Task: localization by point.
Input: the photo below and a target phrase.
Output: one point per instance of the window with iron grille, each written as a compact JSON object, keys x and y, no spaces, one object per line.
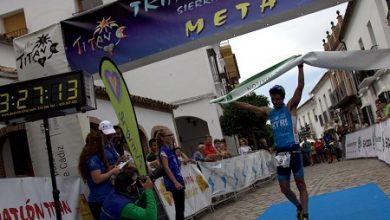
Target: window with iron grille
{"x":85,"y":5}
{"x":14,"y":25}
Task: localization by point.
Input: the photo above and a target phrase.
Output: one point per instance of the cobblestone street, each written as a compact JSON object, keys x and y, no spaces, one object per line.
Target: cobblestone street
{"x":320,"y":179}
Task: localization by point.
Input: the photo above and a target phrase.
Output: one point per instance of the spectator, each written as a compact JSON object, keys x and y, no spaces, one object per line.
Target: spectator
{"x":319,"y":146}
{"x":184,"y":159}
{"x":263,"y":144}
{"x":306,"y":146}
{"x":199,"y":154}
{"x":383,"y":110}
{"x":119,"y":140}
{"x":108,"y":131}
{"x":224,"y":153}
{"x":94,"y":169}
{"x":217,"y":144}
{"x":124,"y":202}
{"x":152,"y":157}
{"x":244,"y":147}
{"x":173,"y":178}
{"x":209,"y":150}
{"x":121,"y":145}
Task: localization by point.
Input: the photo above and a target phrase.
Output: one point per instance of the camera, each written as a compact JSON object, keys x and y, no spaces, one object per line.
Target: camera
{"x":155,"y":174}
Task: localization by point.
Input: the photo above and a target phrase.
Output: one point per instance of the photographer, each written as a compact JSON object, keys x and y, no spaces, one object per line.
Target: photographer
{"x":125,"y":202}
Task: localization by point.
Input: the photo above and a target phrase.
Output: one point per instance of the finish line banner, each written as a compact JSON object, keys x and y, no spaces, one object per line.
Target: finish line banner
{"x":344,"y":60}
{"x":128,"y":30}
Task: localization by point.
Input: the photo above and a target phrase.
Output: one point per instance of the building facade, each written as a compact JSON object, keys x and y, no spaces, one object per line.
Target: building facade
{"x":316,"y":115}
{"x":184,"y":84}
{"x":364,"y":27}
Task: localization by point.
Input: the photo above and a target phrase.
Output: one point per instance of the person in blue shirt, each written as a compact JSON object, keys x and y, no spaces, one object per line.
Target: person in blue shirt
{"x":94,"y":169}
{"x":283,"y":119}
{"x":108,"y":131}
{"x":173,"y":179}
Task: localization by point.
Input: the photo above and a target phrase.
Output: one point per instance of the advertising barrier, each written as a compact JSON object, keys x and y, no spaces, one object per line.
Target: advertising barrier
{"x":32,"y":198}
{"x":373,"y":141}
{"x":236,"y":173}
{"x":217,"y":178}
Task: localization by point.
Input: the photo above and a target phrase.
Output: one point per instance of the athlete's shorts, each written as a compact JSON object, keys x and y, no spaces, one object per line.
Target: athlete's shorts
{"x":296,"y":166}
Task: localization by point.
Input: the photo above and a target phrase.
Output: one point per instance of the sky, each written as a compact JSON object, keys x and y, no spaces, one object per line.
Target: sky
{"x":258,"y":50}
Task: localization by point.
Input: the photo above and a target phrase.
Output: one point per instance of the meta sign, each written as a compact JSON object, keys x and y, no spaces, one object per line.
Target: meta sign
{"x":127,"y":31}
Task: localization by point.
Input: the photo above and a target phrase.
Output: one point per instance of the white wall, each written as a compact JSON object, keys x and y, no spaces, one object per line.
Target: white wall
{"x":146,"y":118}
{"x":8,"y":160}
{"x":365,"y":11}
{"x":204,"y":110}
{"x":173,"y":79}
{"x":7,"y":56}
{"x":39,"y":13}
{"x":303,"y":111}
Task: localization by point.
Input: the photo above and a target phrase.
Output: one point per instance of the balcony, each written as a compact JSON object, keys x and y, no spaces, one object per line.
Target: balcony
{"x":343,"y":94}
{"x":306,"y":131}
{"x":14,"y":34}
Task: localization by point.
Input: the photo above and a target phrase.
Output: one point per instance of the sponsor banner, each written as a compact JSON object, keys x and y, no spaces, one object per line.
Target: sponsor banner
{"x":386,"y":141}
{"x":32,"y":198}
{"x":236,"y":173}
{"x":197,"y":192}
{"x":40,"y":53}
{"x":118,"y":93}
{"x":129,"y":30}
{"x":66,"y":142}
{"x":373,"y":141}
{"x":378,"y":140}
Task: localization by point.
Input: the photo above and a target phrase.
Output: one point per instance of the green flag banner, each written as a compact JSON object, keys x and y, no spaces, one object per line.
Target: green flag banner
{"x":259,"y":79}
{"x":120,"y":99}
{"x":336,"y":60}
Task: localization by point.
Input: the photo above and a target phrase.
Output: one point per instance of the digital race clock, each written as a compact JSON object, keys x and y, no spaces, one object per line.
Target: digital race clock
{"x":50,"y":96}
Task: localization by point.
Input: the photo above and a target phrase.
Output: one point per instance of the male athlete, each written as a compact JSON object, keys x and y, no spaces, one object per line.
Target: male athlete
{"x":283,"y":122}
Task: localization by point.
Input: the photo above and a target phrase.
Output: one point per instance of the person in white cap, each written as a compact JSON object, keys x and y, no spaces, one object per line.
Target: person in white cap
{"x":108,"y":130}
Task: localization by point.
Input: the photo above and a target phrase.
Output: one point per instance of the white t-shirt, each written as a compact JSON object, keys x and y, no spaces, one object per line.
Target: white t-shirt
{"x":244,"y":149}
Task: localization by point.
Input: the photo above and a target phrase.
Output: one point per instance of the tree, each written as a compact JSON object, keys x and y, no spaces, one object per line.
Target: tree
{"x":237,"y":121}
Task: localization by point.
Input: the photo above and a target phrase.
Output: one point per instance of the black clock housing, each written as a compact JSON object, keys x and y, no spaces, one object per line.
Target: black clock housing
{"x":51,"y":96}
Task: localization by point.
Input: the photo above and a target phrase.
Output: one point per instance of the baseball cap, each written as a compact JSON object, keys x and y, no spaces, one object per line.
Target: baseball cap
{"x":106,"y":127}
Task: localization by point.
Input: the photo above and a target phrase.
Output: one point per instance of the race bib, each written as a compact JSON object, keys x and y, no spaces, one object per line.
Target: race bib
{"x":283,"y":159}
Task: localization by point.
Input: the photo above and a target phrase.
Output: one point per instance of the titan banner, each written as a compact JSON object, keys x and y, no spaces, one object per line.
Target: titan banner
{"x":128,"y":30}
{"x":120,"y":99}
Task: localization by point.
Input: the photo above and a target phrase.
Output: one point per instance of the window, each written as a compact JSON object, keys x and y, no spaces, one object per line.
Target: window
{"x":361,"y":45}
{"x":372,"y":36}
{"x":368,"y":116}
{"x":388,"y":11}
{"x":321,"y":122}
{"x":326,"y":119}
{"x":15,"y":25}
{"x":213,"y":65}
{"x":315,"y":116}
{"x":84,"y":5}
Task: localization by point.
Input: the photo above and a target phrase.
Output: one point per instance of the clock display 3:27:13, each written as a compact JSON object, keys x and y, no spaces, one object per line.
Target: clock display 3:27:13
{"x":45,"y":93}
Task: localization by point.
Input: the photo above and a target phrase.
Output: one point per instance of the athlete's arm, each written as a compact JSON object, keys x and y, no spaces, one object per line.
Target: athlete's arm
{"x":294,"y":101}
{"x":259,"y":111}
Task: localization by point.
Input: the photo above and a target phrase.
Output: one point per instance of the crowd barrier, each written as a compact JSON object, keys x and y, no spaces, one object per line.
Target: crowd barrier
{"x":32,"y":198}
{"x":373,"y":141}
{"x":217,"y":179}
